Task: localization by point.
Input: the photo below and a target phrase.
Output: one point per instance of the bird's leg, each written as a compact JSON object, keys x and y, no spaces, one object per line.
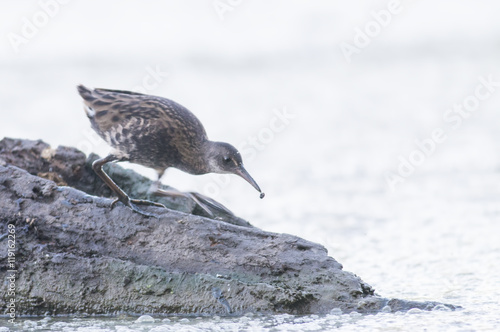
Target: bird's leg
{"x":208,"y":205}
{"x":155,"y":186}
{"x":205,"y":203}
{"x":122,"y":196}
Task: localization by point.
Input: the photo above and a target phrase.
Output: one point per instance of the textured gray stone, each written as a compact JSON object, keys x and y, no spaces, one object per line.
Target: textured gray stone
{"x":75,"y":255}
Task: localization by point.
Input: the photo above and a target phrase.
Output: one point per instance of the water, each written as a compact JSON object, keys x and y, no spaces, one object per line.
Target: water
{"x":435,"y":237}
{"x":341,"y":322}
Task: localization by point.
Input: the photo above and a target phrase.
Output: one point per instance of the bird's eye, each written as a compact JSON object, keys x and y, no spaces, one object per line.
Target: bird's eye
{"x":227,"y":160}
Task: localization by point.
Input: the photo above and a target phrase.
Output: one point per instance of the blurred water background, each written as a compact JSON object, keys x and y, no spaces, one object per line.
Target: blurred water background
{"x":333,"y":117}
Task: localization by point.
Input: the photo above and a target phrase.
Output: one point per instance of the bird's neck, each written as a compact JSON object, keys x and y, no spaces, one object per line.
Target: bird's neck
{"x":209,"y":153}
{"x":200,"y":162}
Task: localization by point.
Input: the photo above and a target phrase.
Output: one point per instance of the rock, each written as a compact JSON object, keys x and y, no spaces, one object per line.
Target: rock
{"x":74,"y":254}
{"x":69,"y":167}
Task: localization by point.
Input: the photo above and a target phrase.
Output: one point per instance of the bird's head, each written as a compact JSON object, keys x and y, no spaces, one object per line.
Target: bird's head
{"x":223,"y":158}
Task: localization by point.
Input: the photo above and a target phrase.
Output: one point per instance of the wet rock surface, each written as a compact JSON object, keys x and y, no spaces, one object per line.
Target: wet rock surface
{"x":76,"y":255}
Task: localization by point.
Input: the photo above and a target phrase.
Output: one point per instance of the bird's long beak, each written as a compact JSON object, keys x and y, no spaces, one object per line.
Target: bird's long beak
{"x":241,"y":171}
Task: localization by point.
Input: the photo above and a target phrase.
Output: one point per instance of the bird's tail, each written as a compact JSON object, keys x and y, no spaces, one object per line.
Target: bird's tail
{"x":85,"y":92}
{"x":88,"y":98}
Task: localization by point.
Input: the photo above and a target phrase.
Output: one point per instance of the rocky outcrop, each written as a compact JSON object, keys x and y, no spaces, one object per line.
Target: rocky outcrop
{"x":74,"y":254}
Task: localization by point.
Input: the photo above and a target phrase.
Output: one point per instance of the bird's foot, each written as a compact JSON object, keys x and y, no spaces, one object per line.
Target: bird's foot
{"x":131,"y":203}
{"x":148,"y":203}
{"x":208,"y":205}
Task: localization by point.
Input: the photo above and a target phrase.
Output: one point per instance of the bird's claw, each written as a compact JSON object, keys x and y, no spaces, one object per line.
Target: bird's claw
{"x":131,"y":203}
{"x":146,"y":202}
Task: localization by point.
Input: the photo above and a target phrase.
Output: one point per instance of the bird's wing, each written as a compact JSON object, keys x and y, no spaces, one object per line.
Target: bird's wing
{"x":108,"y":109}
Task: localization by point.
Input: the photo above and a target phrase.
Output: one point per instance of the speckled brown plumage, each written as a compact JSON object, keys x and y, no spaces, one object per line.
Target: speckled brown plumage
{"x":155,"y":132}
